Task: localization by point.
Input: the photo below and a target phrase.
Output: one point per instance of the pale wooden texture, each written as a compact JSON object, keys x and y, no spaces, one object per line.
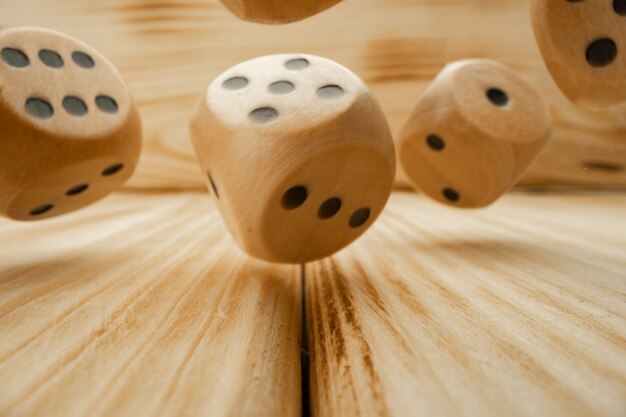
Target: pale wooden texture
{"x":170,"y":50}
{"x":61,"y":150}
{"x":141,"y":306}
{"x":277,"y":11}
{"x":474,"y":132}
{"x":583,"y":44}
{"x":276,"y":157}
{"x":518,"y":310}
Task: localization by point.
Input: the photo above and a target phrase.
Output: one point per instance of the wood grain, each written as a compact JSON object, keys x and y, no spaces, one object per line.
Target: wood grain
{"x":142,"y":306}
{"x":518,"y":310}
{"x":169,"y":50}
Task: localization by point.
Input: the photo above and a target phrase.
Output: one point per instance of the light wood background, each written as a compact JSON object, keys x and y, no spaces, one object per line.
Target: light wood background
{"x":169,"y":51}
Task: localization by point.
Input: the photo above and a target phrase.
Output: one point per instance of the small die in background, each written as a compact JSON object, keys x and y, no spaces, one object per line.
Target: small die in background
{"x":474,"y":132}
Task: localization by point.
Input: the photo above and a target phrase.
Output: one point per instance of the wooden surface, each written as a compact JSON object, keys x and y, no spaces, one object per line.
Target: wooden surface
{"x":141,"y":306}
{"x":519,"y":310}
{"x":169,"y":50}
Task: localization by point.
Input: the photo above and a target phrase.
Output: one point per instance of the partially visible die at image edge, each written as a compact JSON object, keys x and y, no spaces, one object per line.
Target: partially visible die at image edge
{"x":583,"y":44}
{"x":297,"y":155}
{"x":277,"y":12}
{"x":473,"y":133}
{"x":69,"y":129}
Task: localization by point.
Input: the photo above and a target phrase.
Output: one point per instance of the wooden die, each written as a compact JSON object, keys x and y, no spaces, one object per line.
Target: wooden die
{"x":277,"y":11}
{"x":297,"y":153}
{"x":476,"y":129}
{"x":584,"y":46}
{"x":69,"y":131}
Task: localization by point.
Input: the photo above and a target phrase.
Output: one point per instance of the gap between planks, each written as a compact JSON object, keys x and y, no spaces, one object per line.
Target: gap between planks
{"x":305,"y":363}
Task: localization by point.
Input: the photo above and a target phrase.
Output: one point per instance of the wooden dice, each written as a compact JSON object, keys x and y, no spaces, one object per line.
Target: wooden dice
{"x":277,"y":11}
{"x":297,"y":154}
{"x":473,"y":133}
{"x":583,"y":43}
{"x":69,"y":131}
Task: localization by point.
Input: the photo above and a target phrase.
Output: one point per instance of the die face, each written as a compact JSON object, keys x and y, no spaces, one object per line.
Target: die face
{"x":277,"y":11}
{"x":282,"y":94}
{"x":61,"y":149}
{"x":56,"y":194}
{"x":440,"y":160}
{"x":61,"y":86}
{"x":584,"y":46}
{"x":498,"y":102}
{"x":325,"y":204}
{"x":326,"y":133}
{"x":471,"y":136}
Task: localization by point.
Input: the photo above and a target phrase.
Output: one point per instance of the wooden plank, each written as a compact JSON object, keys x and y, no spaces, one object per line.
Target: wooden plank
{"x":519,"y":310}
{"x":141,"y":306}
{"x":170,"y":51}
